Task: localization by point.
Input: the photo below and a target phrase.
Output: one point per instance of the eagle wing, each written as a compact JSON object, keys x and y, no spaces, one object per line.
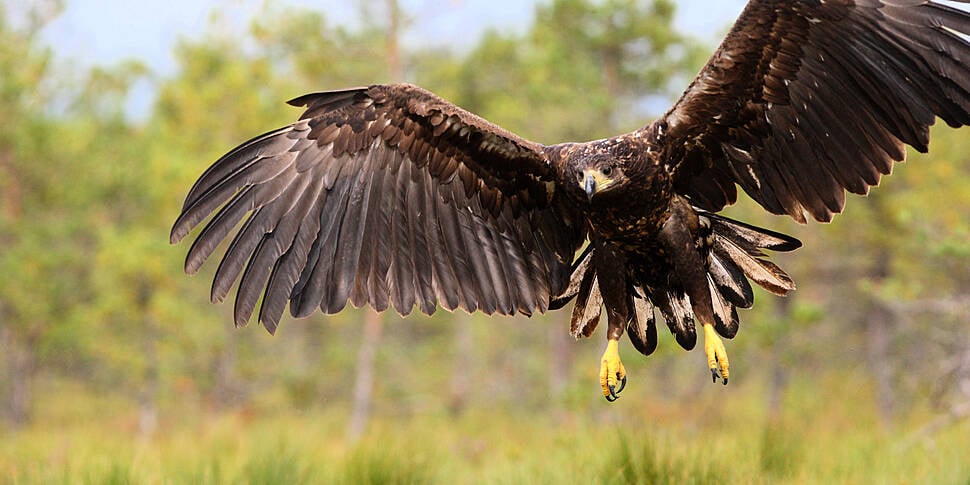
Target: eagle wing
{"x":386,"y":195}
{"x":807,"y":99}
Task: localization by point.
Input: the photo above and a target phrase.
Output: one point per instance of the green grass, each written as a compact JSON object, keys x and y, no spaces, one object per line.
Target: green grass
{"x":716,"y":437}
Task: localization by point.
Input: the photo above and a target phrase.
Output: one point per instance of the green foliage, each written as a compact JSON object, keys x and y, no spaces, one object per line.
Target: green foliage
{"x":641,"y":462}
{"x":316,"y":54}
{"x":378,"y":465}
{"x":275,"y":465}
{"x":583,"y":69}
{"x":781,"y":451}
{"x":715,"y":440}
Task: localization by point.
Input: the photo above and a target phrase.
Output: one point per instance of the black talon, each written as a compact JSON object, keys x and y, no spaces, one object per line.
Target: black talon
{"x":622,"y":385}
{"x":613,"y":392}
{"x":725,"y":381}
{"x":714,"y":375}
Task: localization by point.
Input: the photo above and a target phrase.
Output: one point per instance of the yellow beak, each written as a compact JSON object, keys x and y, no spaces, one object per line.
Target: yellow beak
{"x":594,"y":181}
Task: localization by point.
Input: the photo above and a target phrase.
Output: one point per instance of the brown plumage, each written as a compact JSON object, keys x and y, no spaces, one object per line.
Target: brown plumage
{"x":391,"y":196}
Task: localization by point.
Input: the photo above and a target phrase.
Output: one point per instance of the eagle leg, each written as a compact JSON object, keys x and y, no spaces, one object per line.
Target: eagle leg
{"x":678,"y":234}
{"x":615,"y":290}
{"x":717,"y":359}
{"x":612,"y":372}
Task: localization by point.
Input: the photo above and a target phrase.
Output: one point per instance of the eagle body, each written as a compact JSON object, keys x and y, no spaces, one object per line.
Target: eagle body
{"x":390,"y":196}
{"x":656,"y":248}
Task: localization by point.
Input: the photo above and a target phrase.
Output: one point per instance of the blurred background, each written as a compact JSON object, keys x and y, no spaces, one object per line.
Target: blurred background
{"x":115,"y":368}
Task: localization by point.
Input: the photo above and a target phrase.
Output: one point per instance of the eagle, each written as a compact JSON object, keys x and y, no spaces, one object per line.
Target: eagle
{"x":390,"y":196}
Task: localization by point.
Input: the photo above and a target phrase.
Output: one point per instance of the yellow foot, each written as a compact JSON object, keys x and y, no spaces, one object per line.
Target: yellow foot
{"x":717,"y":359}
{"x":612,"y":372}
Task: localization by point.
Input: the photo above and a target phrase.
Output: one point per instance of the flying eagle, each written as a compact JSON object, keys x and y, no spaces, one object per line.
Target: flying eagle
{"x":391,"y":196}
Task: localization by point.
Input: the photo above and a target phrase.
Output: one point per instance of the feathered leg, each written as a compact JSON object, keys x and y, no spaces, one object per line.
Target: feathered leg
{"x":615,"y":293}
{"x":678,"y":235}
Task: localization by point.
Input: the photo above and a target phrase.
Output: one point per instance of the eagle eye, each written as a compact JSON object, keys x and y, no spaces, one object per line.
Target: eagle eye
{"x":608,"y":171}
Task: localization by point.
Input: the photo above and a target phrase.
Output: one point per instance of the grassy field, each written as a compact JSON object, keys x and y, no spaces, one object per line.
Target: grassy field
{"x":717,"y":437}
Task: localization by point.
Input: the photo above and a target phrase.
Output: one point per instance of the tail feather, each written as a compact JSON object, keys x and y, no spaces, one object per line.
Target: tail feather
{"x":676,"y":310}
{"x":726,"y":320}
{"x":642,"y":327}
{"x":765,"y":273}
{"x":751,"y":237}
{"x":589,"y":306}
{"x":738,"y":247}
{"x":582,"y":266}
{"x":736,"y":255}
{"x":730,"y":282}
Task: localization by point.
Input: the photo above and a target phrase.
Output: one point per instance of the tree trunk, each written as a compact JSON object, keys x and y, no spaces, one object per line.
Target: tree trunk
{"x":464,"y":347}
{"x":224,"y":390}
{"x":879,"y":327}
{"x":560,"y":361}
{"x":18,"y":357}
{"x":392,"y":48}
{"x":11,"y":196}
{"x":364,"y":380}
{"x":148,"y":395}
{"x":778,"y":378}
{"x":366,"y":356}
{"x":19,"y":366}
{"x":879,"y":320}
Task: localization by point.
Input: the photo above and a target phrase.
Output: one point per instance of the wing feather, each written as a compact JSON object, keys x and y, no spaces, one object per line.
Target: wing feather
{"x":422,"y":271}
{"x":805,"y":100}
{"x":315,"y":277}
{"x":402,"y":295}
{"x":276,"y":236}
{"x":460,"y":258}
{"x":387,"y":196}
{"x":286,"y":271}
{"x":449,"y":289}
{"x":245,"y":242}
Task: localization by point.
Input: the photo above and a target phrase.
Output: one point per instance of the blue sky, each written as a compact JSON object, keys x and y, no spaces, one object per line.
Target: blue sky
{"x":105,"y":32}
{"x":93,"y":32}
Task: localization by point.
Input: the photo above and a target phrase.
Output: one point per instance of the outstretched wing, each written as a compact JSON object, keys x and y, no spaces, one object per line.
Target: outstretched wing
{"x":386,"y":195}
{"x":806,"y":99}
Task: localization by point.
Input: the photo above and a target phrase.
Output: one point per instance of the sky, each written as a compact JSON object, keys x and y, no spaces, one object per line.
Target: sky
{"x":103,"y":32}
{"x":106,"y":32}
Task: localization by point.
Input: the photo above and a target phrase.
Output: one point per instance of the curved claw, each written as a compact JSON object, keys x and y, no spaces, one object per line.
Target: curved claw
{"x":717,"y":359}
{"x":715,"y":373}
{"x":612,"y":372}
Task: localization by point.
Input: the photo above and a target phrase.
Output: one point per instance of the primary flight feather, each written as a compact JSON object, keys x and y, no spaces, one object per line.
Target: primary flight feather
{"x":393,"y":197}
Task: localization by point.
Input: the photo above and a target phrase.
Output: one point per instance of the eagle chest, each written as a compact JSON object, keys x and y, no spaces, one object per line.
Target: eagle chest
{"x":632,"y":218}
{"x":622,"y":228}
{"x":635,"y":234}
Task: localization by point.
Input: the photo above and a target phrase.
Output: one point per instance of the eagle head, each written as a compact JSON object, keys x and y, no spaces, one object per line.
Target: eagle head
{"x":598,"y":172}
{"x":596,"y":169}
{"x":599,"y":178}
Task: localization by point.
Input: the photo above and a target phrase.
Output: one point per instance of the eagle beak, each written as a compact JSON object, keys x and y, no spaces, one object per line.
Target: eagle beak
{"x":594,"y":181}
{"x":589,"y":184}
